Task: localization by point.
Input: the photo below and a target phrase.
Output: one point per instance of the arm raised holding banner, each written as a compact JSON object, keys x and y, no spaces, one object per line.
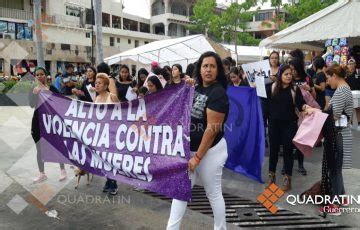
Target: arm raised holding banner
{"x":208,"y":114}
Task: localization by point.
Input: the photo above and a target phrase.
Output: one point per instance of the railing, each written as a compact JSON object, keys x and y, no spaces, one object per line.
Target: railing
{"x":18,"y":14}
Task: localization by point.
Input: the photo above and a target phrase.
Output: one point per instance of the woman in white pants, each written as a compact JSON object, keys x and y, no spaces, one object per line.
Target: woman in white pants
{"x":208,"y":147}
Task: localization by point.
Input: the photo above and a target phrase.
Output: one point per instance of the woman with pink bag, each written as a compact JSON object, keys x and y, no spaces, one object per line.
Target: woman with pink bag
{"x":284,"y":98}
{"x":303,"y":81}
{"x":338,"y":138}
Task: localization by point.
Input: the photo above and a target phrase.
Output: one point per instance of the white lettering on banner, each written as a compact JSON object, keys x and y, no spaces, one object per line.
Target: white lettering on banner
{"x":116,"y":113}
{"x":89,"y":130}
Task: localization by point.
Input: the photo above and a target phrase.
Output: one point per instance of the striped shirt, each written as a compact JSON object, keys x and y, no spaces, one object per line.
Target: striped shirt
{"x":342,"y":103}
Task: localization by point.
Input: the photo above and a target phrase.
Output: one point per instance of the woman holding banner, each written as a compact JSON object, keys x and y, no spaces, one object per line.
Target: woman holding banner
{"x":284,"y":98}
{"x":208,"y":147}
{"x":40,"y":74}
{"x":102,"y":89}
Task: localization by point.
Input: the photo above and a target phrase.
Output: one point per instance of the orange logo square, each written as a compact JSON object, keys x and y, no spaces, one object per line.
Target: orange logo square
{"x":270,"y":196}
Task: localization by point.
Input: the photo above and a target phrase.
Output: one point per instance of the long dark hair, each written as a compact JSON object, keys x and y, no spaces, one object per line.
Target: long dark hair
{"x":299,"y":67}
{"x":190,"y":69}
{"x":278,"y":83}
{"x":93,"y":69}
{"x":141,"y":71}
{"x":221,"y":78}
{"x":155,"y":80}
{"x":124,"y":67}
{"x":179,"y":67}
{"x":319,"y":63}
{"x":277,"y":53}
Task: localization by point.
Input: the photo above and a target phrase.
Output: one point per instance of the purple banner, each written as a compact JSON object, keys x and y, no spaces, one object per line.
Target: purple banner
{"x":144,"y":143}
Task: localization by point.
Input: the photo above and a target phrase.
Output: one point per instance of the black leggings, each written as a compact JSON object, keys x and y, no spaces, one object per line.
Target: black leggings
{"x":281,"y":132}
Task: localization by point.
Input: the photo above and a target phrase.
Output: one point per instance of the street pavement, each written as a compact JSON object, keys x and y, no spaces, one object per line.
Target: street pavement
{"x":87,"y":207}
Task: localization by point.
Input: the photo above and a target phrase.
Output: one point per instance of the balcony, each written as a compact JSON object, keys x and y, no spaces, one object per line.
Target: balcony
{"x":258,"y":26}
{"x":170,"y":17}
{"x":16,"y":14}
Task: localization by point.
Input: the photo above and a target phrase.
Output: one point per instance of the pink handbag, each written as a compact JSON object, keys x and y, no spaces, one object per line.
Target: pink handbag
{"x":309,"y":132}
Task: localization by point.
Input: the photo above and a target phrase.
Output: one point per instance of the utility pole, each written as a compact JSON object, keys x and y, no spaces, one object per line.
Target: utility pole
{"x":38,"y":34}
{"x":92,"y":33}
{"x":98,"y":25}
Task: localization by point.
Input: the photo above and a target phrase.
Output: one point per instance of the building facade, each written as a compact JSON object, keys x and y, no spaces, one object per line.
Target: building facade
{"x":68,"y":36}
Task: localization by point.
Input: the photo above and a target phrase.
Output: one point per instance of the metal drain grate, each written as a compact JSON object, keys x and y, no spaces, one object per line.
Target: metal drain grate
{"x":246,"y":213}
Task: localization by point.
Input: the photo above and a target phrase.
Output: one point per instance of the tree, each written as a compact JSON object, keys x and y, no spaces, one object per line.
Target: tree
{"x":232,"y":24}
{"x":305,"y":8}
{"x":204,"y":17}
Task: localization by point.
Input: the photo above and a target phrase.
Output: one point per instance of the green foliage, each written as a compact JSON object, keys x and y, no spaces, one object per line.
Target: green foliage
{"x":225,"y":25}
{"x":305,"y":8}
{"x":11,"y":86}
{"x":203,"y":16}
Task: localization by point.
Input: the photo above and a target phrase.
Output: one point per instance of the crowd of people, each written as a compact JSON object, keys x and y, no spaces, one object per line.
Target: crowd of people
{"x":292,"y":93}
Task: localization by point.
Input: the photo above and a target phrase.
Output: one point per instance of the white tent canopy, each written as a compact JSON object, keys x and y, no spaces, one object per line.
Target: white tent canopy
{"x":183,"y":51}
{"x":247,"y":54}
{"x":336,"y":21}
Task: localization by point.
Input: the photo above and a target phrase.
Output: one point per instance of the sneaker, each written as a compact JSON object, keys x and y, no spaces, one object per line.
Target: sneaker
{"x":302,"y":170}
{"x":62,"y":175}
{"x":106,"y":186}
{"x":42,"y":177}
{"x":113,"y":188}
{"x":330,"y":210}
{"x":345,"y":202}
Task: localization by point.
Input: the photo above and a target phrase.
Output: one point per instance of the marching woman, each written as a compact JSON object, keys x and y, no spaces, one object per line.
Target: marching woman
{"x":207,"y":145}
{"x":102,"y":88}
{"x":176,"y":74}
{"x":88,"y":84}
{"x":40,"y":74}
{"x":341,"y":109}
{"x":284,"y":97}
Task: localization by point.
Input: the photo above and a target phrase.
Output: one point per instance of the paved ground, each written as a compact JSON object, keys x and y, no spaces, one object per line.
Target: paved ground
{"x":88,"y":207}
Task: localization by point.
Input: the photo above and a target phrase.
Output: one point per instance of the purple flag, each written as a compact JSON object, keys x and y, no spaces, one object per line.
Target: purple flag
{"x":144,"y":143}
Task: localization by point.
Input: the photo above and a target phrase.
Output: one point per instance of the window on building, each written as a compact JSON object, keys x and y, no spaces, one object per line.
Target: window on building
{"x":136,"y":43}
{"x":105,"y":20}
{"x":130,"y":24}
{"x":12,"y":4}
{"x":157,"y":8}
{"x":11,"y":30}
{"x":65,"y":47}
{"x":118,"y":40}
{"x":89,"y":17}
{"x":179,"y":8}
{"x":88,"y":35}
{"x":146,"y":42}
{"x":20,"y":31}
{"x":116,"y":22}
{"x":129,"y":41}
{"x":112,"y":41}
{"x":73,"y":11}
{"x":144,"y":27}
{"x":263,"y":16}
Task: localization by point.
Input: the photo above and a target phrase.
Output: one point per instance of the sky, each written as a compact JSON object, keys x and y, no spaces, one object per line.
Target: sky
{"x":141,"y":7}
{"x":137,"y":7}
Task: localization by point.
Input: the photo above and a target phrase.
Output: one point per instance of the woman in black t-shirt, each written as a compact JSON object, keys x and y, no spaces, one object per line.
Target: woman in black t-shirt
{"x":284,"y":98}
{"x":40,"y":74}
{"x":124,"y":82}
{"x":209,"y":151}
{"x":320,"y":81}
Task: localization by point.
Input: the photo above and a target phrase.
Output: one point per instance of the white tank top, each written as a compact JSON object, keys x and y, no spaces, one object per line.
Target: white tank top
{"x":108,"y":99}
